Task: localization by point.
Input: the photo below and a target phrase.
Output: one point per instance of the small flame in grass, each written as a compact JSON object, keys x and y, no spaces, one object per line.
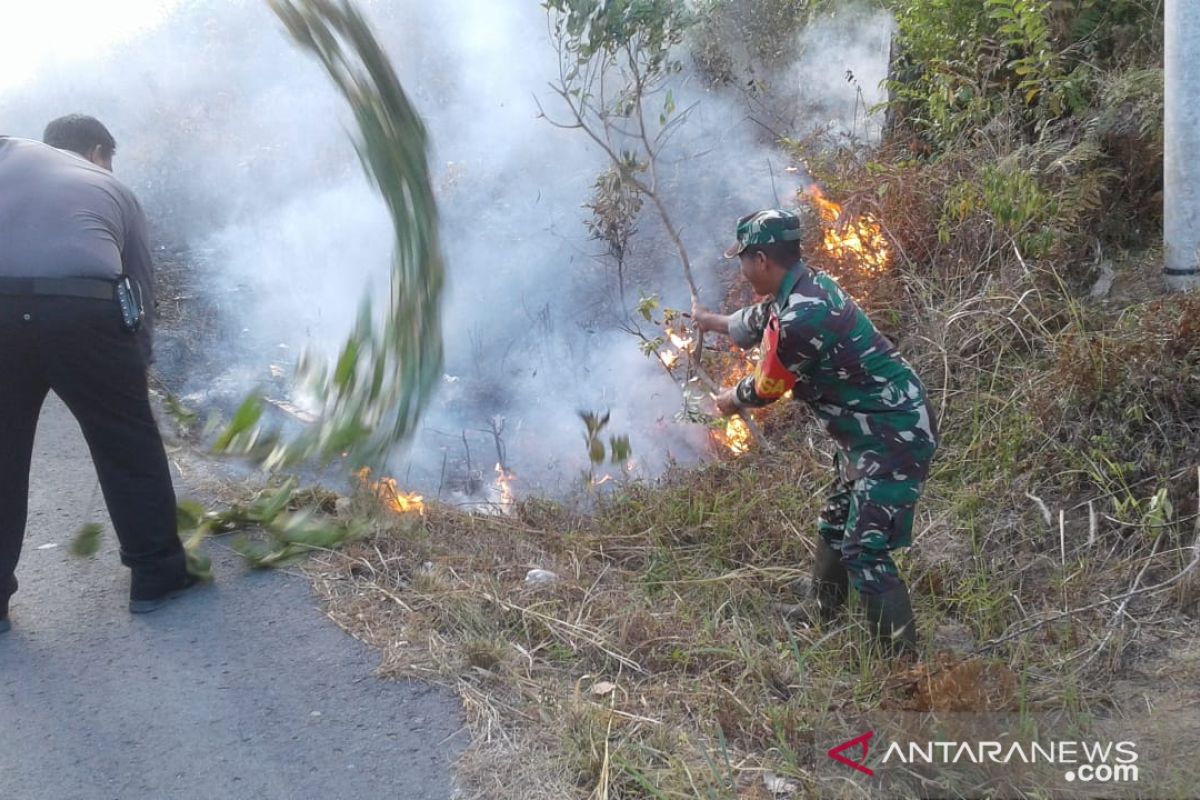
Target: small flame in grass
{"x":741,"y":364}
{"x":857,"y":241}
{"x":504,"y":493}
{"x":390,"y":496}
{"x":735,"y":437}
{"x":669,"y":358}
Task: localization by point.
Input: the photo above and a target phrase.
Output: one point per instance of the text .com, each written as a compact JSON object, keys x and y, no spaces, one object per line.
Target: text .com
{"x":1103,"y":773}
{"x":1087,"y":762}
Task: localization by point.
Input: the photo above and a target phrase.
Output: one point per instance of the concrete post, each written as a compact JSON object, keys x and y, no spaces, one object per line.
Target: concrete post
{"x":1181,"y":166}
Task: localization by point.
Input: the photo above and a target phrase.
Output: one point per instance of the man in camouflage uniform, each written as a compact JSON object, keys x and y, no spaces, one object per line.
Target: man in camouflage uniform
{"x":816,"y":342}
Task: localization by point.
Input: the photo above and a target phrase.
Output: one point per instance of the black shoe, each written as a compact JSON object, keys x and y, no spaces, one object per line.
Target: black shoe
{"x":890,"y":618}
{"x":143,"y":602}
{"x":824,"y":594}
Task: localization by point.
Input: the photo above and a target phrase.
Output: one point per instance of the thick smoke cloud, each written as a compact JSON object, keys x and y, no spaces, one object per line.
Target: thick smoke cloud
{"x":239,"y":150}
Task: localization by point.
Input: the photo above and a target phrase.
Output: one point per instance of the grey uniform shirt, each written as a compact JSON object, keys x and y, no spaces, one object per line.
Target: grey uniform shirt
{"x":63,"y":217}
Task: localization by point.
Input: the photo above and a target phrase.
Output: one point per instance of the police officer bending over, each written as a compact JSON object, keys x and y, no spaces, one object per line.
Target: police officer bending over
{"x":75,"y":272}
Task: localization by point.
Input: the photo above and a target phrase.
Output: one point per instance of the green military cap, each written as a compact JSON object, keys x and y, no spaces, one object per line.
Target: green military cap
{"x":765,"y":227}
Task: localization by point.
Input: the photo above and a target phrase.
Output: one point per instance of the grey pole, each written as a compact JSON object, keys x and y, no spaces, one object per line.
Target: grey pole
{"x":1181,"y":166}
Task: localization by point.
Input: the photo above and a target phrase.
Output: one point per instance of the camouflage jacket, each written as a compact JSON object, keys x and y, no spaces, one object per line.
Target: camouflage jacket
{"x":818,"y":343}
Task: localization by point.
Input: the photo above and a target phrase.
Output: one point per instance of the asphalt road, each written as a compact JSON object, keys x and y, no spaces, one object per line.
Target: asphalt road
{"x":242,"y":689}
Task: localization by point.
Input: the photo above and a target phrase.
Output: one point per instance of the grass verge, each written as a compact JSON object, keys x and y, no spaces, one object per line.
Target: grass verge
{"x":1053,"y":568}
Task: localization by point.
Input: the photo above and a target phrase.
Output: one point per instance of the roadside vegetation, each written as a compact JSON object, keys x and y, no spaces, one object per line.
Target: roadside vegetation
{"x":1018,"y":182}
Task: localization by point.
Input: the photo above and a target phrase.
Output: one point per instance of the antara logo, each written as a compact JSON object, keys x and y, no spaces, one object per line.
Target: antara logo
{"x":862,"y":741}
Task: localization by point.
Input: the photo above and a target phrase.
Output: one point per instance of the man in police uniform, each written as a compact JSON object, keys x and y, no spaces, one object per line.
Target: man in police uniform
{"x":816,"y":342}
{"x":71,"y":232}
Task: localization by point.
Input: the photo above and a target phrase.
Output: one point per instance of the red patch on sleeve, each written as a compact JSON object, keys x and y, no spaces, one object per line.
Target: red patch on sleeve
{"x":772,"y":380}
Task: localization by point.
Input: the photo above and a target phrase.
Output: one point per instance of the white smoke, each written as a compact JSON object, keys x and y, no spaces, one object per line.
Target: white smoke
{"x":854,"y":46}
{"x":238,"y":148}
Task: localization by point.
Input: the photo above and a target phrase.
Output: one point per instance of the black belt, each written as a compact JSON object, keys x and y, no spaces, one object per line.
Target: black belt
{"x":92,"y":288}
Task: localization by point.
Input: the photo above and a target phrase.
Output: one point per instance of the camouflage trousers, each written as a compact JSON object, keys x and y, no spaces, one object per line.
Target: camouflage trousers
{"x":865,"y":519}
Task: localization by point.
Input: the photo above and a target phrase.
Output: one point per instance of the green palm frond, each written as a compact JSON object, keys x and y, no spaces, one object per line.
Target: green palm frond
{"x":391,"y":362}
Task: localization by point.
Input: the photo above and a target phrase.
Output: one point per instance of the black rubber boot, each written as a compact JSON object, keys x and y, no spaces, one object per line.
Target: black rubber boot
{"x":890,"y":618}
{"x":830,"y":582}
{"x":824,"y":594}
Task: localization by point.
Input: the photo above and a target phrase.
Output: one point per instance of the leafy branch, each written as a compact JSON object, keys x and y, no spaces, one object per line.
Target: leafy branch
{"x":388,"y":367}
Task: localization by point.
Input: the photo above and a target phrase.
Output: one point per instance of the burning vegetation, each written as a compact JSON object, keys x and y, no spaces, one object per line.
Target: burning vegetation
{"x":505,"y":500}
{"x":735,"y":437}
{"x":856,"y":242}
{"x":668,"y":598}
{"x":386,"y":491}
{"x":390,"y":496}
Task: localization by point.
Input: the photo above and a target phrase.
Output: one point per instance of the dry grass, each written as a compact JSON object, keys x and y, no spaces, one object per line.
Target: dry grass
{"x":1060,"y":513}
{"x":659,"y":664}
{"x":1054,"y":562}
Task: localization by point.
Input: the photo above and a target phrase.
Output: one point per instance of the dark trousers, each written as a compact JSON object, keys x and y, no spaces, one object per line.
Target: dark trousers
{"x":79,"y":349}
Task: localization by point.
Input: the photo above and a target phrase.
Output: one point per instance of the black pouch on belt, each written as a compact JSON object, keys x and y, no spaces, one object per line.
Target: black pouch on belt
{"x":132,"y":311}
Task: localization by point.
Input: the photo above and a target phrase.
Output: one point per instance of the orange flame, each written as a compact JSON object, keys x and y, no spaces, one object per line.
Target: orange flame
{"x":670,"y":354}
{"x":858,"y":241}
{"x":735,"y":437}
{"x":742,"y":363}
{"x":504,"y":493}
{"x":679,"y":341}
{"x":390,"y":496}
{"x":735,"y":365}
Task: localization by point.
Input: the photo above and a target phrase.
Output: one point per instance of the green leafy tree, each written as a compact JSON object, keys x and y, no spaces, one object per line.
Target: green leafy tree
{"x":615,"y":59}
